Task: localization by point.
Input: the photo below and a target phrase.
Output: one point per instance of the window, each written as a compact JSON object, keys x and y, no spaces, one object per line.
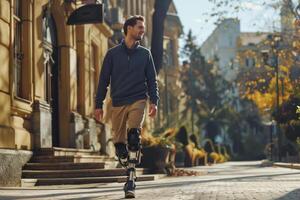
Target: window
{"x":250,"y":62}
{"x":247,"y":62}
{"x":17,"y":47}
{"x":48,"y":73}
{"x":49,"y":43}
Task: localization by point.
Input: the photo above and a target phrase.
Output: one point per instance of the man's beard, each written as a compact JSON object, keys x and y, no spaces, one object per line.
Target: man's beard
{"x":138,"y":38}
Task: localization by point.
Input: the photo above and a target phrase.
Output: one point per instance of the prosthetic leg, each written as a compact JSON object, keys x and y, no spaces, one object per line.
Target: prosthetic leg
{"x":134,"y":158}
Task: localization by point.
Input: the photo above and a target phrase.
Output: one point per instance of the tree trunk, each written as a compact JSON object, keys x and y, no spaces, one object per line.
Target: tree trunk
{"x":160,"y":12}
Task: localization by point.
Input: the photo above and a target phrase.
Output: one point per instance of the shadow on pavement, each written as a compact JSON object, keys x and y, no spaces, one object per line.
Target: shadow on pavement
{"x":295,"y":194}
{"x":57,"y":195}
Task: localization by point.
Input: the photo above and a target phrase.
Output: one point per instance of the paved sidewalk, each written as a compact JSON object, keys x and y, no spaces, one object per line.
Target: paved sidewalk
{"x":228,"y":181}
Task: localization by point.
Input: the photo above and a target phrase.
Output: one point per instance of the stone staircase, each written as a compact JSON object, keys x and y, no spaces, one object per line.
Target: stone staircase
{"x":59,"y":166}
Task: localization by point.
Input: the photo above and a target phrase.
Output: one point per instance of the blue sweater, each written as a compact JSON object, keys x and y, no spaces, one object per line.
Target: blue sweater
{"x":131,"y":75}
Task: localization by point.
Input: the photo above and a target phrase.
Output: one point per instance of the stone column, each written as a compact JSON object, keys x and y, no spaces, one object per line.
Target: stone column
{"x":42,"y":124}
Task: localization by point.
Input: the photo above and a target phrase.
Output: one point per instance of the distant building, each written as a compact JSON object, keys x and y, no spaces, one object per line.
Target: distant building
{"x":250,"y":48}
{"x":290,"y":34}
{"x":287,"y":17}
{"x":221,"y":46}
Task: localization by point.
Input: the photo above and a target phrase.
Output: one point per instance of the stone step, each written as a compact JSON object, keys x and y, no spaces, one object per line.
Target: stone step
{"x":78,"y":173}
{"x":71,"y":159}
{"x":65,"y":166}
{"x":59,"y":151}
{"x":85,"y":180}
{"x":52,"y":159}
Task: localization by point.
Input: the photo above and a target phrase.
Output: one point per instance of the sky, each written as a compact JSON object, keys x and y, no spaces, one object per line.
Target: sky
{"x":254,"y":16}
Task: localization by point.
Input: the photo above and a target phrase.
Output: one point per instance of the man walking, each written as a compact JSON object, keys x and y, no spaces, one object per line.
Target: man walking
{"x":130,"y":71}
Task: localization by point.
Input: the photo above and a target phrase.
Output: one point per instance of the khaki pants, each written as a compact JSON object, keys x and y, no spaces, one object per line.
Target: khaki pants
{"x":126,"y":117}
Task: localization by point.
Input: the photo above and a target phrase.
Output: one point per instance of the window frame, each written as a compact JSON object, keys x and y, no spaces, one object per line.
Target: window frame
{"x":18,"y":55}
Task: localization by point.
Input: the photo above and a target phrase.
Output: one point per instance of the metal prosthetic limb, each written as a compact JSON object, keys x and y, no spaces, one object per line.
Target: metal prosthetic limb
{"x":134,"y":158}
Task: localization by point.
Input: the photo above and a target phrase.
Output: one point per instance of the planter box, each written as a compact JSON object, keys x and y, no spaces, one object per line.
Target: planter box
{"x":179,"y":159}
{"x":155,"y":158}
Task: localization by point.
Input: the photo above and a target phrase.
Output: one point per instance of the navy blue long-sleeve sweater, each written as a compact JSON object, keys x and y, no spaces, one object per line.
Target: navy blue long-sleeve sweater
{"x":131,"y":75}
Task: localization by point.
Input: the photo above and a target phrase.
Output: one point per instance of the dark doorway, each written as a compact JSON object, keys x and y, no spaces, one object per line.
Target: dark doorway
{"x":51,"y":64}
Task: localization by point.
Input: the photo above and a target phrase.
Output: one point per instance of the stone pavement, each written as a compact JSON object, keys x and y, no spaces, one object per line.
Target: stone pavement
{"x":231,"y":180}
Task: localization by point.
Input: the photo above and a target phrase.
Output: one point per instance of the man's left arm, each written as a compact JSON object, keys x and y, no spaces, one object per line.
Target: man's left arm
{"x":152,"y":85}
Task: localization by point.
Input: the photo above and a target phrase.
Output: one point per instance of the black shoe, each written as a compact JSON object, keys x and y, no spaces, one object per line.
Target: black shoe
{"x":129,"y":189}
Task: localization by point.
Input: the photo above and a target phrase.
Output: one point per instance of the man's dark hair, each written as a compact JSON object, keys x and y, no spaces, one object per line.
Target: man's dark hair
{"x":131,"y":21}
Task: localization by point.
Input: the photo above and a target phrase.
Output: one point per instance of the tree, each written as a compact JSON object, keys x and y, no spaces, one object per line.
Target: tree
{"x":160,"y":12}
{"x":205,"y":90}
{"x":259,"y":83}
{"x":222,"y":9}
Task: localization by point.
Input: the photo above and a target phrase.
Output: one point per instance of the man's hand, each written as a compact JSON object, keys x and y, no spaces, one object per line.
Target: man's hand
{"x":98,"y":114}
{"x":152,"y":110}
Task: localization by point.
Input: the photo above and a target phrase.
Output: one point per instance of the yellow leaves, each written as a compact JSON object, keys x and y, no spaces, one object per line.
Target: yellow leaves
{"x":263,"y":101}
{"x":267,"y":100}
{"x":296,"y":45}
{"x":284,"y":69}
{"x":259,"y":83}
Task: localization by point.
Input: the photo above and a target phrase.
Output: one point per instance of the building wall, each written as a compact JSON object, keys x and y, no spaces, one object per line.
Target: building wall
{"x":26,"y":115}
{"x":7,"y":136}
{"x":76,"y":91}
{"x":222,"y":43}
{"x":25,"y":121}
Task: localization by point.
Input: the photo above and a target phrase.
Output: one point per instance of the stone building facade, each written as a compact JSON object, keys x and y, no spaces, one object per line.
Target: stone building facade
{"x":49,"y":75}
{"x":48,"y":80}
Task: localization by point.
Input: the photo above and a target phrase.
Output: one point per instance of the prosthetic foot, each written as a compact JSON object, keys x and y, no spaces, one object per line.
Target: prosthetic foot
{"x":129,"y":189}
{"x":134,"y":158}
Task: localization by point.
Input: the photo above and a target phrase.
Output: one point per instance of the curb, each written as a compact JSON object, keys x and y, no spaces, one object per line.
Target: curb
{"x":268,"y":163}
{"x":287,"y":165}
